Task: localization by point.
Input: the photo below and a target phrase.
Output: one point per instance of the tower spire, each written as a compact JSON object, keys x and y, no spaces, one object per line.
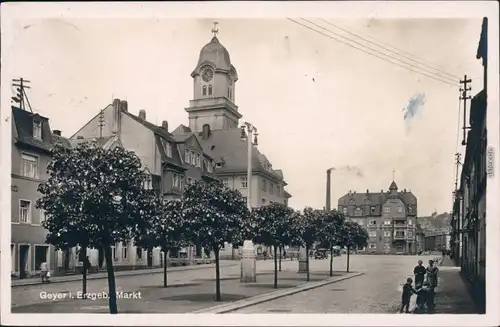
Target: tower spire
{"x":215,"y":30}
{"x":393,"y":172}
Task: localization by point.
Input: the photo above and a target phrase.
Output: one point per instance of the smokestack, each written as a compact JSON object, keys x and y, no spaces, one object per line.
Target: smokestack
{"x":117,"y":108}
{"x":328,"y":186}
{"x":206,"y":132}
{"x":142,"y":114}
{"x":164,"y":125}
{"x":57,"y":132}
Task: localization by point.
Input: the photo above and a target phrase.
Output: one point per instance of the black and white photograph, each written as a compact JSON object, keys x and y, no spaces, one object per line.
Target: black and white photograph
{"x":281,"y":160}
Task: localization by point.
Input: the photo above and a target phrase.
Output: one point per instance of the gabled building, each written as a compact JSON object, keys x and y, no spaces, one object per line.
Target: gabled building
{"x":32,"y":142}
{"x":390,"y":218}
{"x":169,"y":162}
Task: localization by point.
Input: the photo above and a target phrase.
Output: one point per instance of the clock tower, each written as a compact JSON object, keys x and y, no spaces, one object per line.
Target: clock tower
{"x":214,"y":80}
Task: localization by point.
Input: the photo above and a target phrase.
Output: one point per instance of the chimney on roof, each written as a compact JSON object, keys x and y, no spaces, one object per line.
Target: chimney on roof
{"x":164,"y":125}
{"x":124,"y":106}
{"x":117,"y":109}
{"x":206,"y":132}
{"x":367,"y":191}
{"x":142,"y":114}
{"x":57,"y":132}
{"x":349,"y":192}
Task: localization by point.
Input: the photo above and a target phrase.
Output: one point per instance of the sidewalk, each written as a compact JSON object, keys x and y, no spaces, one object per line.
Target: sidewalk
{"x":182,"y":296}
{"x":104,"y":274}
{"x":452,"y":296}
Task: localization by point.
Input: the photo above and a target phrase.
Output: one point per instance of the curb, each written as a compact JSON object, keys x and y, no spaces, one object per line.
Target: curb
{"x":104,"y":275}
{"x":233,"y":306}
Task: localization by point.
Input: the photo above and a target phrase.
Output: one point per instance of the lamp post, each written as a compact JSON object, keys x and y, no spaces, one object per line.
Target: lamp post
{"x":248,"y":262}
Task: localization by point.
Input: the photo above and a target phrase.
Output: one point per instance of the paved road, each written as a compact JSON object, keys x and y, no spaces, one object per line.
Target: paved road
{"x":31,"y":294}
{"x":377,"y":291}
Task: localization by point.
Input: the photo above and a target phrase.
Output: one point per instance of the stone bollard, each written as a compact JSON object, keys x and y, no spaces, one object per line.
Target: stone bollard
{"x":303,"y":260}
{"x":248,"y":263}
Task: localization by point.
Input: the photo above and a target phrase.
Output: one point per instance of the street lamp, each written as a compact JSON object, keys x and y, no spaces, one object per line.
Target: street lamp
{"x":328,"y":196}
{"x":248,"y":263}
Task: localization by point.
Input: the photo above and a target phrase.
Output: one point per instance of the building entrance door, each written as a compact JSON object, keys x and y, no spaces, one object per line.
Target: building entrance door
{"x":23,"y":260}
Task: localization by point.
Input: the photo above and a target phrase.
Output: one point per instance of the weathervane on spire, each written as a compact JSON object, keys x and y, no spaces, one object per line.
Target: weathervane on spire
{"x":393,"y":172}
{"x":215,"y":30}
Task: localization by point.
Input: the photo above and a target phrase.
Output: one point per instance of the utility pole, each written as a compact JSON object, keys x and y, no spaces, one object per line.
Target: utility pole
{"x":465,"y":97}
{"x":101,"y":123}
{"x":21,"y":98}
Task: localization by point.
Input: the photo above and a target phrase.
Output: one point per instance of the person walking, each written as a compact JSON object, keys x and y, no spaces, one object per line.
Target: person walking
{"x":419,"y":271}
{"x":44,"y":272}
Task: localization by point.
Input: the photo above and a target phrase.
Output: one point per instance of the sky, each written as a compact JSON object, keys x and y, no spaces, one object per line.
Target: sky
{"x":316,"y":102}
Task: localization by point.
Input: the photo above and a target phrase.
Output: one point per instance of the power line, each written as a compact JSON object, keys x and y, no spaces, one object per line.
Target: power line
{"x":398,"y":52}
{"x":372,"y":54}
{"x":377,"y":51}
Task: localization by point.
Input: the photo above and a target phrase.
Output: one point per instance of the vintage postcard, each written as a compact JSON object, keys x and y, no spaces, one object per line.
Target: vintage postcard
{"x":250,"y":163}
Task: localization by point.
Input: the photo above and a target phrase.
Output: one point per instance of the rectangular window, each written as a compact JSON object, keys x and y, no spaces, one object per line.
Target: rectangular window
{"x":41,"y":253}
{"x":400,"y":209}
{"x":344,"y":210}
{"x":187,"y":157}
{"x":113,"y":249}
{"x":373,"y":222}
{"x":175,"y":180}
{"x":400,"y":234}
{"x":198,"y":161}
{"x":264,"y":185}
{"x":278,"y":190}
{"x":209,"y":166}
{"x":387,"y":234}
{"x":168,"y":149}
{"x":358,"y":212}
{"x":37,"y":129}
{"x":372,"y":210}
{"x":245,"y":199}
{"x":387,"y":222}
{"x":244,"y":182}
{"x":409,"y":208}
{"x":24,"y":211}
{"x":410,"y":234}
{"x":124,"y":250}
{"x":138,"y":252}
{"x":29,"y":166}
{"x":361,"y":222}
{"x":43,"y":217}
{"x":189,"y":181}
{"x":372,"y":246}
{"x":271,"y":188}
{"x":146,"y":183}
{"x":387,"y":209}
{"x":410,"y":222}
{"x":225,"y":181}
{"x":372,"y":233}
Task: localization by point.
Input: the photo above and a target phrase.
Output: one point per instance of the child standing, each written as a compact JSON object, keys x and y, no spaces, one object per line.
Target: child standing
{"x":421,"y":297}
{"x":405,"y":297}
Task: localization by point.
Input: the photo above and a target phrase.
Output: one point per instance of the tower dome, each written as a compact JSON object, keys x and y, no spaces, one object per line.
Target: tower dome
{"x":215,"y":53}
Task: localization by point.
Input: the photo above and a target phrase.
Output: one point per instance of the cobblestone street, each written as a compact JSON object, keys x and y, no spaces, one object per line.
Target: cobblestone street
{"x":377,"y":291}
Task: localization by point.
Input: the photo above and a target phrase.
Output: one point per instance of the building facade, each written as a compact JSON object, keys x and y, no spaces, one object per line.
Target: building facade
{"x":469,"y":208}
{"x":32,"y":141}
{"x":389,"y":217}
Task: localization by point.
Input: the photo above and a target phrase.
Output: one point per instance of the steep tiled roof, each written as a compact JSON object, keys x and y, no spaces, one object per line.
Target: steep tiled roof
{"x":23,"y":122}
{"x":393,"y":186}
{"x":181,"y":129}
{"x":60,"y":139}
{"x":227,"y":146}
{"x":407,"y":197}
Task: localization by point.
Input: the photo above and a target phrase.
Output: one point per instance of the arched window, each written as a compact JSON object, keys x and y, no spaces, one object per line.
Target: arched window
{"x":204,"y":90}
{"x":210,"y":90}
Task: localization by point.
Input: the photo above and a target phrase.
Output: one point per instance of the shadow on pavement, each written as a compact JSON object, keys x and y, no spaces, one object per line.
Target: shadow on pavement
{"x":270,"y":285}
{"x":170,"y":286}
{"x":205,"y":297}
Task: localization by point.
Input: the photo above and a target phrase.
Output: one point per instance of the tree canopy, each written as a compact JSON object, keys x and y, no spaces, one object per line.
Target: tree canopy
{"x":274,"y":224}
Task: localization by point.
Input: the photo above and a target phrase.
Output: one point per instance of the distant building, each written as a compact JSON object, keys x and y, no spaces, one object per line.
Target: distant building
{"x":390,"y":218}
{"x":32,"y":141}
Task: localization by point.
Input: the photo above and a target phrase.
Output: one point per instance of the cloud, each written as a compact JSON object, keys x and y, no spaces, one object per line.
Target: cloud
{"x":349,"y":169}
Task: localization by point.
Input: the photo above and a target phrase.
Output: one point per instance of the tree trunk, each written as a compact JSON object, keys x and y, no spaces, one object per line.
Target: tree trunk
{"x":308,"y":278}
{"x":111,"y":280}
{"x":275,"y":268}
{"x":280,"y":260}
{"x":165,"y":268}
{"x":348,"y":251}
{"x":217,"y":275}
{"x":84,"y":281}
{"x":331,"y":262}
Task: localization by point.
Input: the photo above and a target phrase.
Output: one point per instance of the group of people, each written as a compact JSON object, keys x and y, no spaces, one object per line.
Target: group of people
{"x":426,"y":280}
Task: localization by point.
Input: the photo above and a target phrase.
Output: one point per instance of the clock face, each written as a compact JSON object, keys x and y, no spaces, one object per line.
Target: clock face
{"x":207,"y":74}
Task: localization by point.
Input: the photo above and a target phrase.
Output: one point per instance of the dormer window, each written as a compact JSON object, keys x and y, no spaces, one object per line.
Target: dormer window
{"x":209,"y":166}
{"x":37,"y":129}
{"x":218,"y":165}
{"x":187,"y":157}
{"x":168,"y":147}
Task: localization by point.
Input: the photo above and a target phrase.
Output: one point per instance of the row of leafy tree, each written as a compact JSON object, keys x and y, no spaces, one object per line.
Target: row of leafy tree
{"x":94,"y":198}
